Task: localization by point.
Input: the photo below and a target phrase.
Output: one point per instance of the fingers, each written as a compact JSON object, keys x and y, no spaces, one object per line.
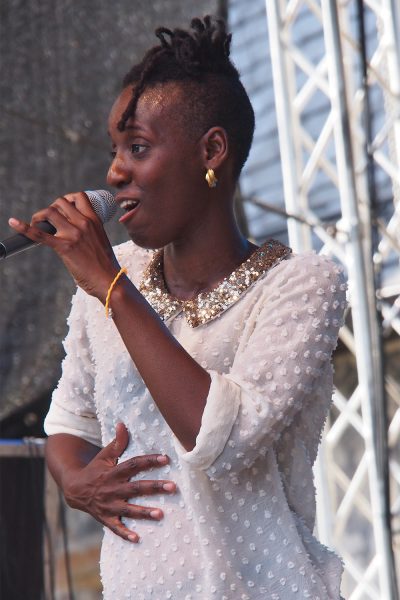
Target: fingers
{"x":67,"y":223}
{"x":130,"y":511}
{"x":146,"y":488}
{"x":135,"y":511}
{"x":131,"y":467}
{"x":70,"y":204}
{"x":61,"y":207}
{"x":76,"y":207}
{"x":72,"y":208}
{"x":118,"y":445}
{"x":32,"y":232}
{"x":121,"y":438}
{"x":117,"y":527}
{"x":136,"y":464}
{"x":82,"y":203}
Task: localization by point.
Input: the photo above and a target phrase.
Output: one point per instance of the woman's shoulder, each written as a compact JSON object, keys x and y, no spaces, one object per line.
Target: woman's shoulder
{"x":309,"y":265}
{"x":305,"y":273}
{"x":303,"y":284}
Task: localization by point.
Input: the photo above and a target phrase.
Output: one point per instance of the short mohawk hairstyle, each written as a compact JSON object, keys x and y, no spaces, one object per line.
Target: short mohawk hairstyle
{"x":198,"y":59}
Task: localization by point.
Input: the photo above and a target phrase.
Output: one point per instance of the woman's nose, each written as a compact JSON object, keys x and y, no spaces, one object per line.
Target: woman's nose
{"x":118,"y":175}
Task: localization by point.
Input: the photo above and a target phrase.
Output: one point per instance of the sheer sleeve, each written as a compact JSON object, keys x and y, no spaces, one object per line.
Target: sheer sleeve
{"x":277,"y":369}
{"x":72,"y":408}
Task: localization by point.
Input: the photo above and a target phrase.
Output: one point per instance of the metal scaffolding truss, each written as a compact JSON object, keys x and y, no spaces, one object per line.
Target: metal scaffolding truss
{"x":357,"y":154}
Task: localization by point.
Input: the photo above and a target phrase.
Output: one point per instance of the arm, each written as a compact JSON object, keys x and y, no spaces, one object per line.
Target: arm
{"x":177,"y":383}
{"x":89,"y":476}
{"x":278,"y":369}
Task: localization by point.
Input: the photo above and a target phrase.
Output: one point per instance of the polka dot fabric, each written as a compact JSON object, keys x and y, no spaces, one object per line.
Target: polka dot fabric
{"x":240,"y":525}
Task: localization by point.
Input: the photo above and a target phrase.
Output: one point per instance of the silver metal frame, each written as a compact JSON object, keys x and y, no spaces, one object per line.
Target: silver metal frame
{"x":375,"y":306}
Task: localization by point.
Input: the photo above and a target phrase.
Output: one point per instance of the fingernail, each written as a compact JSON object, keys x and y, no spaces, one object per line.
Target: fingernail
{"x":169,"y":487}
{"x":155,"y":514}
{"x":162,"y":459}
{"x":13,"y":221}
{"x":133,"y":538}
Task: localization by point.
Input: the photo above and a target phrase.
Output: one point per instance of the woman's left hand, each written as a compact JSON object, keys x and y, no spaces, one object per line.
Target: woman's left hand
{"x":80,"y":241}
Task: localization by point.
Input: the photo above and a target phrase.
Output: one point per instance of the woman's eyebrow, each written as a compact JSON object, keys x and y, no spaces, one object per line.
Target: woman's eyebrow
{"x":130,"y":127}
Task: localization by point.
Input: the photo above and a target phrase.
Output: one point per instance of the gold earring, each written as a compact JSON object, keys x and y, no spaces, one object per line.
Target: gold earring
{"x":211,"y":178}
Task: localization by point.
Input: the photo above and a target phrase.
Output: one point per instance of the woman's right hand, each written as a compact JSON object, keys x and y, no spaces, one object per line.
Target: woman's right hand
{"x":102,"y":487}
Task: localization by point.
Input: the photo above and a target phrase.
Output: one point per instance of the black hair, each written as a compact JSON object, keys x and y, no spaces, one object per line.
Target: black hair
{"x":214,"y":95}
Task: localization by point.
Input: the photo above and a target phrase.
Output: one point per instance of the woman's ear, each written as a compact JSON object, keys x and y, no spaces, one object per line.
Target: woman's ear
{"x":215,"y":147}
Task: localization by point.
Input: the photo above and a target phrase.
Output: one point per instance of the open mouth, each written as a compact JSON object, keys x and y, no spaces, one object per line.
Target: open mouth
{"x":129,"y":205}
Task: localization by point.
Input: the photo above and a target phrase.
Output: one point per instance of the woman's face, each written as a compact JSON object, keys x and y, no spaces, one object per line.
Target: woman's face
{"x":157,"y":169}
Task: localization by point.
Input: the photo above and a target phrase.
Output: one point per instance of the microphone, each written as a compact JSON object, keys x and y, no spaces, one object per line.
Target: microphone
{"x":103,"y":204}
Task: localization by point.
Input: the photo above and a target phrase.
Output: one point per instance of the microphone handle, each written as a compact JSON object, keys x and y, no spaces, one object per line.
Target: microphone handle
{"x":19,"y":242}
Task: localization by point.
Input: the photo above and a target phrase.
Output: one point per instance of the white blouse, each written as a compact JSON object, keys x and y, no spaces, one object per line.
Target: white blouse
{"x":240,"y":524}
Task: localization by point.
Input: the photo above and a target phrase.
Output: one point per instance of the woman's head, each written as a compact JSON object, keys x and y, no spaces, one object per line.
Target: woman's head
{"x":212,"y":94}
{"x":181,"y":112}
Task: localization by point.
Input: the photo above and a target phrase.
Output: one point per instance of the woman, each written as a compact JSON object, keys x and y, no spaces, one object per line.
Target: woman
{"x":211,"y":351}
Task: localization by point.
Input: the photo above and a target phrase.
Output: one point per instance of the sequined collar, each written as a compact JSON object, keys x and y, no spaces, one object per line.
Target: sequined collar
{"x":207,"y":305}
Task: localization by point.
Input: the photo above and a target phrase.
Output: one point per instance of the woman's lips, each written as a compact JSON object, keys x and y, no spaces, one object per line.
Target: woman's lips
{"x":130,"y":212}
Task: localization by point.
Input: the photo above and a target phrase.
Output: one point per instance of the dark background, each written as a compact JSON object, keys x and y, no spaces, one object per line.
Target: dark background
{"x":61,"y":64}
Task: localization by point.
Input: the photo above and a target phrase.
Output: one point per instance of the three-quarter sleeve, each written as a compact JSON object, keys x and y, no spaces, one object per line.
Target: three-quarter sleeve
{"x":278,"y":368}
{"x":72,"y":408}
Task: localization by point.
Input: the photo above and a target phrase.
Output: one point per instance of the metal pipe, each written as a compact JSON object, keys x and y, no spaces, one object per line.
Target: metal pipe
{"x":366,"y":333}
{"x":289,"y":157}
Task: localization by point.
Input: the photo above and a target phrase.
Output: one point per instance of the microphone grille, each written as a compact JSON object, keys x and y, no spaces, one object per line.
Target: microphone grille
{"x":103,"y":204}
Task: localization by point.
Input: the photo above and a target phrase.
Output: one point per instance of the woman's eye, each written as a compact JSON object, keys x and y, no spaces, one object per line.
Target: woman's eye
{"x":137,"y":148}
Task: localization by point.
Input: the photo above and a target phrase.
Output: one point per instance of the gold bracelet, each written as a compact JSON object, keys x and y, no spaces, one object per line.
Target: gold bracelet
{"x":108,"y":310}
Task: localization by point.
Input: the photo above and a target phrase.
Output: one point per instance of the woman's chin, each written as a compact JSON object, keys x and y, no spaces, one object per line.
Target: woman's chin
{"x":144,"y":241}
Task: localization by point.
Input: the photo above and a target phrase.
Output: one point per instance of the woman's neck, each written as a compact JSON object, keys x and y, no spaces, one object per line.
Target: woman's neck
{"x":202,"y":261}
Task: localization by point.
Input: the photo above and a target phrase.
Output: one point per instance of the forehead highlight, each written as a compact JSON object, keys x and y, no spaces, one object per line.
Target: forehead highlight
{"x":159,"y":107}
{"x":161,"y":100}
